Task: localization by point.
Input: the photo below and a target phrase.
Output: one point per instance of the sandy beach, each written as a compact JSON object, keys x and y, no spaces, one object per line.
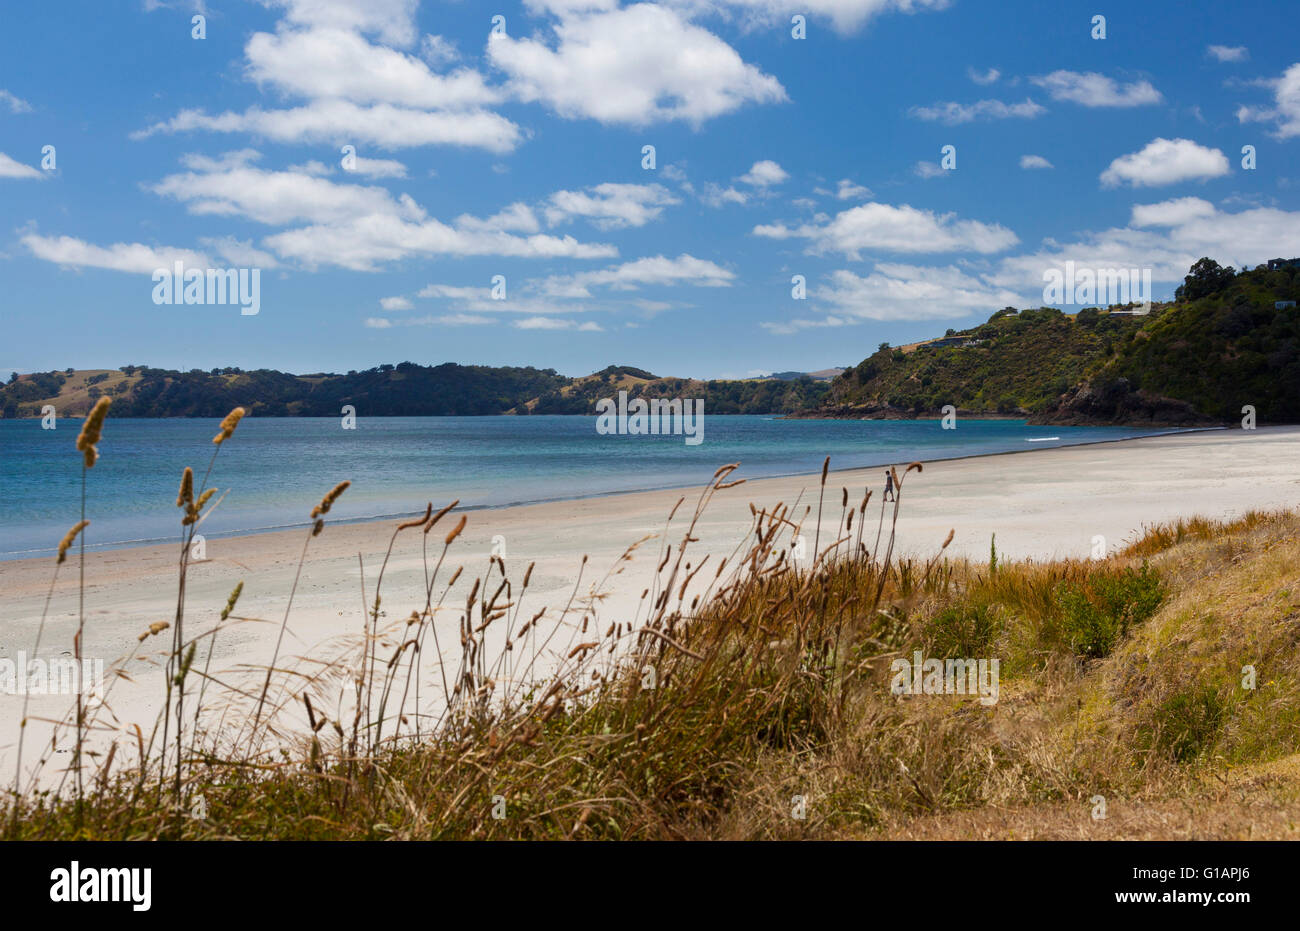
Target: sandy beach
{"x":1040,"y":504}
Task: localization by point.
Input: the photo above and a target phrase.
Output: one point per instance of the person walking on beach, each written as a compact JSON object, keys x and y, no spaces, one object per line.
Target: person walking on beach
{"x":889,"y":486}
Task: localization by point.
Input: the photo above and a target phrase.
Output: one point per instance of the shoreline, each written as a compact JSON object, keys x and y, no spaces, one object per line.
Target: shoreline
{"x":598,"y":554}
{"x":126,"y":545}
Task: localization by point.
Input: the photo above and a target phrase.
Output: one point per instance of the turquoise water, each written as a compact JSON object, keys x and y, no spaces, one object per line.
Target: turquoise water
{"x":277,"y":468}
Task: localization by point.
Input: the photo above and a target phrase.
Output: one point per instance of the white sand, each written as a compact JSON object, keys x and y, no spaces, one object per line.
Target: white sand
{"x":1041,"y":504}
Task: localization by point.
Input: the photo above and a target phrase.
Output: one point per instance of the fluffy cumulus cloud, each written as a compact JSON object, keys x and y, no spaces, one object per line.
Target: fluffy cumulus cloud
{"x":1172,"y":212}
{"x":1285,"y":114}
{"x":1032,"y":162}
{"x":635,"y":66}
{"x":850,"y":190}
{"x":1166,"y":161}
{"x":954,"y":114}
{"x":355,"y":226}
{"x":610,"y":205}
{"x":1097,"y":90}
{"x":354,"y":89}
{"x":764,"y":174}
{"x":391,"y":21}
{"x":901,"y":292}
{"x":894,"y":229}
{"x":343,"y":65}
{"x":1166,"y":237}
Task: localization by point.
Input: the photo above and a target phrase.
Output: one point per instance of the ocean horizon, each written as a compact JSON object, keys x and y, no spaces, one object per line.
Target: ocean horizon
{"x":276,"y":468}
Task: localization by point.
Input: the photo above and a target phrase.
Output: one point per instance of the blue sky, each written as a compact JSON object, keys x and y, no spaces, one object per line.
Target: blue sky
{"x":520,"y":155}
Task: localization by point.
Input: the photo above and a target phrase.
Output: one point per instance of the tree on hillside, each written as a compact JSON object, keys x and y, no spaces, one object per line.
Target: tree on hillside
{"x":1205,"y":277}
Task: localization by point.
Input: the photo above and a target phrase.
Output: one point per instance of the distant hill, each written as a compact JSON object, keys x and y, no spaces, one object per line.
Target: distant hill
{"x":821,"y":375}
{"x":1227,"y":340}
{"x":406,"y":389}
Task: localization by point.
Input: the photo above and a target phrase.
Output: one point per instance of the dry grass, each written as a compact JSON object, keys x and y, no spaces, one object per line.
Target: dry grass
{"x":759,"y":707}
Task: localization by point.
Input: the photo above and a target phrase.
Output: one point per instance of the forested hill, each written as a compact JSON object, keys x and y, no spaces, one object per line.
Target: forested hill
{"x":407,"y":389}
{"x":1227,"y":340}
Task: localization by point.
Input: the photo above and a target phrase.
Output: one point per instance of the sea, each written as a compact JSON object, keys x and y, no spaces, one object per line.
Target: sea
{"x":275,"y":469}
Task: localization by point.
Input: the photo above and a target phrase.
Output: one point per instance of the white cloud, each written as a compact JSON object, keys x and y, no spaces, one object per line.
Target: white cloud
{"x":1166,"y":238}
{"x":354,"y":226}
{"x":378,"y":168}
{"x":1166,"y":161}
{"x":516,"y":218}
{"x":715,"y":195}
{"x":984,"y":77}
{"x":551,"y":323}
{"x":910,"y":292}
{"x":764,"y":174}
{"x":1034,"y":161}
{"x":15,"y":104}
{"x":845,"y":15}
{"x":610,"y":206}
{"x":392,"y":21}
{"x":634,"y":66}
{"x":848,"y":190}
{"x":122,"y":257}
{"x":240,"y":253}
{"x":1286,"y":112}
{"x":1228,"y":52}
{"x":383,"y":323}
{"x":1171,"y":212}
{"x":901,"y":229}
{"x":354,"y":91}
{"x":337,"y":64}
{"x":12,"y":168}
{"x":953,"y":114}
{"x":336,"y":121}
{"x":438,"y":51}
{"x":1097,"y":90}
{"x":452,"y":291}
{"x":651,"y":270}
{"x":395,"y":303}
{"x":230,"y":186}
{"x":927,"y":170}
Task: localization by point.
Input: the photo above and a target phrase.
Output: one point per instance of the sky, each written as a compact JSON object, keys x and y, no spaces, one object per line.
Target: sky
{"x":470,"y":182}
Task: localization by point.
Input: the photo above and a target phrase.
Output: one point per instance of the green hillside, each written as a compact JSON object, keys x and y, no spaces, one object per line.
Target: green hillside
{"x":1221,"y":344}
